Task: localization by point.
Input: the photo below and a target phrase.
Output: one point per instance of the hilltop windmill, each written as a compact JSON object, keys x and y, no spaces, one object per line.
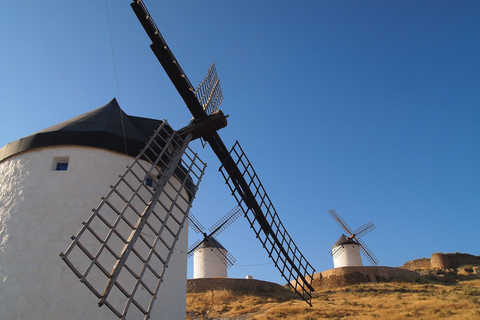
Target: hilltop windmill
{"x":130,"y":237}
{"x":210,"y":258}
{"x":346,"y":251}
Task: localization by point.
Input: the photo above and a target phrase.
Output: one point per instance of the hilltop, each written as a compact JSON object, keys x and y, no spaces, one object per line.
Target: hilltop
{"x":436,"y":294}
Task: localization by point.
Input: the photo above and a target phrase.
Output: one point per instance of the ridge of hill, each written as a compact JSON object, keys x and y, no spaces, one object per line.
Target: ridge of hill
{"x":436,"y":294}
{"x":449,"y":297}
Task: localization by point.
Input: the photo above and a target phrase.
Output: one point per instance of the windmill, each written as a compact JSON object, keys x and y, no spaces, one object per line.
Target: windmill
{"x":210,"y":258}
{"x":346,"y":251}
{"x":123,"y":250}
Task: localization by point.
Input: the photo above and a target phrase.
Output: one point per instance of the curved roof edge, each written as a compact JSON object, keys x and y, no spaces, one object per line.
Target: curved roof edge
{"x":211,"y":243}
{"x":343,"y":240}
{"x":107,"y":127}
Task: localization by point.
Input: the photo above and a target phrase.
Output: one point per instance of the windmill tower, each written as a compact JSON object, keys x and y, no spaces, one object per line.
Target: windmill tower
{"x":49,"y":182}
{"x":124,"y":253}
{"x":346,"y":251}
{"x":210,"y":258}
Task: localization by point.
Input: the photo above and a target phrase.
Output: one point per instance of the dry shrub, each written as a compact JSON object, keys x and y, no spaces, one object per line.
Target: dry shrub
{"x":217,"y":300}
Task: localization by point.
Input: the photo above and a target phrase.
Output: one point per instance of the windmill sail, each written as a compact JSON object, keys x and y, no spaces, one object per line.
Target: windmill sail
{"x":122,"y":251}
{"x":266,"y":224}
{"x":367,"y":252}
{"x":209,"y":93}
{"x":290,"y":262}
{"x":225,"y":221}
{"x":363,"y":230}
{"x":340,"y":221}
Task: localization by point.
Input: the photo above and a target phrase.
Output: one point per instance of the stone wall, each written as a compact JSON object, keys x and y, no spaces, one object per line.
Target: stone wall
{"x":453,"y":260}
{"x":241,"y":285}
{"x":345,"y":276}
{"x":417,"y":264}
{"x":443,"y":261}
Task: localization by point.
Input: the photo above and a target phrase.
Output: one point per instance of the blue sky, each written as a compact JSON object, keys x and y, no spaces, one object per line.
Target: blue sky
{"x":368,"y":107}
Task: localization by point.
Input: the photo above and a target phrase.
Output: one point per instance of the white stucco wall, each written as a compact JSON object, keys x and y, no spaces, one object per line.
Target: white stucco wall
{"x":206,"y":264}
{"x":40,"y":210}
{"x":349,"y":257}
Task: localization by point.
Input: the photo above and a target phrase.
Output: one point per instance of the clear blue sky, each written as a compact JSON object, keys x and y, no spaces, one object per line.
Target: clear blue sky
{"x":368,"y":107}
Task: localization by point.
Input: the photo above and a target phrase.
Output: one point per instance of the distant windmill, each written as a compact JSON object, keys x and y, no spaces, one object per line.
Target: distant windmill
{"x":346,"y":251}
{"x":210,"y":258}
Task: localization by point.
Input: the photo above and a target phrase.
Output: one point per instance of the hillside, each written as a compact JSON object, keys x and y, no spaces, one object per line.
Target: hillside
{"x":452,"y":295}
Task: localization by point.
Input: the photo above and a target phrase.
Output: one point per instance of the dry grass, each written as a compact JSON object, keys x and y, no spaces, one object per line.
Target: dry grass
{"x":226,"y":303}
{"x":452,"y":297}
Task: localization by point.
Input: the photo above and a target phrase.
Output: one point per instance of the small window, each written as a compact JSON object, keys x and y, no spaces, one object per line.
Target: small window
{"x":149,"y":182}
{"x":60,"y":163}
{"x":62,"y":166}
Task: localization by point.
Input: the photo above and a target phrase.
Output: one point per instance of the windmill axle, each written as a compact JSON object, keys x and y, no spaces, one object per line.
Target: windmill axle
{"x":204,"y":127}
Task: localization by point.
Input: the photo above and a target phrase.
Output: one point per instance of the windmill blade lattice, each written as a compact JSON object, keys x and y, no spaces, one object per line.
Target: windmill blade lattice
{"x":266,"y":224}
{"x":195,"y":224}
{"x":122,"y":251}
{"x":263,"y":218}
{"x":209,"y":93}
{"x":340,"y":221}
{"x":337,"y":252}
{"x":225,"y":221}
{"x":193,"y":247}
{"x":226,"y":257}
{"x":363,"y":230}
{"x":367,"y":252}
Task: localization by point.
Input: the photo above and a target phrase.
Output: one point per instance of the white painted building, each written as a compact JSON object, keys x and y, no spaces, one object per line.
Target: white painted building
{"x":49,"y":182}
{"x":346,"y":253}
{"x":207,"y":263}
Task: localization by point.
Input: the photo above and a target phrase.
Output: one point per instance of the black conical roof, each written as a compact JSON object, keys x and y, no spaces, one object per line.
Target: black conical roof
{"x":344,"y":240}
{"x":107,"y":127}
{"x":211,"y":243}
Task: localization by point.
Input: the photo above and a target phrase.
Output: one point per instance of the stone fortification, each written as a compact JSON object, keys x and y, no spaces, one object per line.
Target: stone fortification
{"x":453,"y":260}
{"x":443,"y":261}
{"x":417,"y":264}
{"x":345,"y":276}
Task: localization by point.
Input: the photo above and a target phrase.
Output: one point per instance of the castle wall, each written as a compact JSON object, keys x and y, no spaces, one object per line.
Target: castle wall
{"x":443,"y":261}
{"x":417,"y":264}
{"x":453,"y":260}
{"x":40,"y":209}
{"x":346,"y":276}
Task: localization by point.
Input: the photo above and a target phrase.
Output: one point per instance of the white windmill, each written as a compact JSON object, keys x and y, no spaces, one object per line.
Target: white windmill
{"x":210,"y":258}
{"x":129,"y":254}
{"x":346,"y":251}
{"x":49,"y":181}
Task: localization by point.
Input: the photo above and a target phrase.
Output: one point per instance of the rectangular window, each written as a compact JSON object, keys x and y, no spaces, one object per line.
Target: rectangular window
{"x":60,"y":163}
{"x":62,"y":166}
{"x":149,"y":182}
